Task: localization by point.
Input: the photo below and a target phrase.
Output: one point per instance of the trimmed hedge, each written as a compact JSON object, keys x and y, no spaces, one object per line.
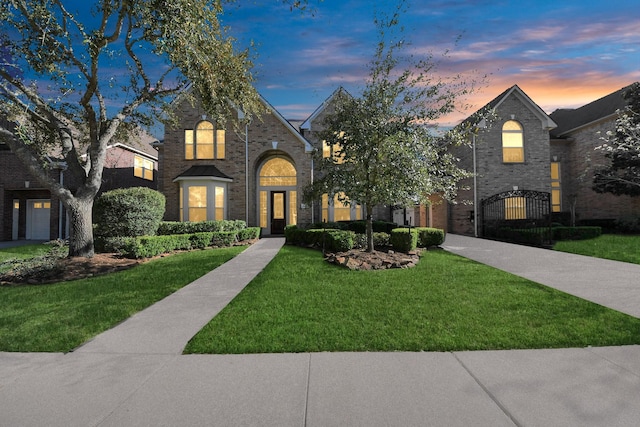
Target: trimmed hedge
{"x":576,"y":233}
{"x":428,"y":236}
{"x":404,"y":239}
{"x":150,"y":246}
{"x":333,"y":240}
{"x":128,"y":212}
{"x":178,"y":227}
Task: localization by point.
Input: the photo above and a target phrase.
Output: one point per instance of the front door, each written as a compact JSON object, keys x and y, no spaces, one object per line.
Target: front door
{"x":38,"y":214}
{"x":278,"y":211}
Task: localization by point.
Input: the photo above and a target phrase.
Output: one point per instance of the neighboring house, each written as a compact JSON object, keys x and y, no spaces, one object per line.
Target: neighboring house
{"x":257,"y":171}
{"x":520,"y":150}
{"x":29,"y":211}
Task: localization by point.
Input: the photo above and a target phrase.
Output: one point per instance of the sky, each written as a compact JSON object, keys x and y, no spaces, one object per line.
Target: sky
{"x":562,"y":53}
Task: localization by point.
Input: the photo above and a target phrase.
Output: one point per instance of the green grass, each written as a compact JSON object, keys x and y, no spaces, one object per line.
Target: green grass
{"x":60,"y":317}
{"x":609,"y":246}
{"x":300,"y":303}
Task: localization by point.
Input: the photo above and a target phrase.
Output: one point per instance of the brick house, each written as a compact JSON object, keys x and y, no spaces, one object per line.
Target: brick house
{"x":522,"y":148}
{"x":29,"y":211}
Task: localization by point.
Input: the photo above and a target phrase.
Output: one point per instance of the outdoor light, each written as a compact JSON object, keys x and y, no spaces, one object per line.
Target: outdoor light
{"x":515,"y":187}
{"x":26,"y":184}
{"x":274,"y":144}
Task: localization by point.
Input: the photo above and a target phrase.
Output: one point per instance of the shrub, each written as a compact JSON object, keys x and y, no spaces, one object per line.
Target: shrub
{"x":339,"y":240}
{"x":576,"y":233}
{"x":177,"y":227}
{"x":628,"y":225}
{"x":129,"y":212}
{"x":404,"y":239}
{"x":430,"y":236}
{"x":249,"y":233}
{"x":223,"y":239}
{"x":201,"y":240}
{"x":331,"y":239}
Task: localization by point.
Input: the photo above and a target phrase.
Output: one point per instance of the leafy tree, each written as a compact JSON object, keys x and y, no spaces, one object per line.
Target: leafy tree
{"x":74,"y":104}
{"x":622,"y":147}
{"x":385,"y":147}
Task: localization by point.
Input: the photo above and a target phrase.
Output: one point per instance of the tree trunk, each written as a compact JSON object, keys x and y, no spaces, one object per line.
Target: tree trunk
{"x":81,"y":228}
{"x":369,"y":230}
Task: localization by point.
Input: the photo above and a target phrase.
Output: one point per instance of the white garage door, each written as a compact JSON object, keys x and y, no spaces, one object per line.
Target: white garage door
{"x":38,"y":215}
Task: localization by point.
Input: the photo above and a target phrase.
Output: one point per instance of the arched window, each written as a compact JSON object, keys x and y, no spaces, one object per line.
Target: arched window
{"x":512,"y":142}
{"x":204,"y":142}
{"x":278,"y":172}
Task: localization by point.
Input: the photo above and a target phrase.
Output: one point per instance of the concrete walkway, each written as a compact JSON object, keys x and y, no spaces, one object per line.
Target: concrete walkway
{"x":134,"y":375}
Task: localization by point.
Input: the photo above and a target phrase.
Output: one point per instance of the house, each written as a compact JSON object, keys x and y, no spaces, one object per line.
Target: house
{"x":29,"y":211}
{"x":257,"y":170}
{"x":520,"y":153}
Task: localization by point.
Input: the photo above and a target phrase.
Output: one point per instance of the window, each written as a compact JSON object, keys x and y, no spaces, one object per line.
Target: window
{"x":515,"y":208}
{"x":338,"y":211}
{"x":202,"y":201}
{"x":143,"y":168}
{"x":556,"y":195}
{"x":333,"y":151}
{"x":512,"y":142}
{"x":278,"y":172}
{"x":204,"y":142}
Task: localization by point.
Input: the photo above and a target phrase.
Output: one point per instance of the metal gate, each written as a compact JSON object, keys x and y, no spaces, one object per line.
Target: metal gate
{"x":518,"y":216}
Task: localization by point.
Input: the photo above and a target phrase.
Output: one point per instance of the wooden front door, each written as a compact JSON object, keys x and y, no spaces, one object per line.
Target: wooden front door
{"x":278,"y":211}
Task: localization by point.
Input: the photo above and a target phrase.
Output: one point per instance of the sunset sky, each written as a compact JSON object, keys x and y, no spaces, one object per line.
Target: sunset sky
{"x":561,"y":53}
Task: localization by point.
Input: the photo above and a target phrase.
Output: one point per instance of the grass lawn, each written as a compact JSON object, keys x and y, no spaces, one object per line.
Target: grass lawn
{"x":21,"y":252}
{"x":300,"y":303}
{"x":609,"y":246}
{"x":60,"y":317}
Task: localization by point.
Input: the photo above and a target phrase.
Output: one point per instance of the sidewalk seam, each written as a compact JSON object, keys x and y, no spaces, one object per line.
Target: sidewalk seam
{"x":486,"y":390}
{"x":306,"y":400}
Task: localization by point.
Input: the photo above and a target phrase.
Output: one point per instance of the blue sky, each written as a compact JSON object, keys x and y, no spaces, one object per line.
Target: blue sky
{"x":562,"y":53}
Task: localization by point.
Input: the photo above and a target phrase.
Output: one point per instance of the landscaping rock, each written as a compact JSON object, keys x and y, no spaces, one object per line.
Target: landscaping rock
{"x":377,"y":260}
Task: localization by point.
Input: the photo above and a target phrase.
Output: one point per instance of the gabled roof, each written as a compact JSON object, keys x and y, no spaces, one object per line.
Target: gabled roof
{"x":306,"y":125}
{"x":205,"y":172}
{"x":285,"y":122}
{"x":570,"y":120}
{"x":547,"y":122}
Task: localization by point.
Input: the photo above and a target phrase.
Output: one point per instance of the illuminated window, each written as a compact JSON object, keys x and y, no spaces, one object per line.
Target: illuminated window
{"x":197,"y":203}
{"x":338,"y":211}
{"x":512,"y":142}
{"x":204,"y":142}
{"x":293,"y":207}
{"x":515,"y":208}
{"x":278,"y":172}
{"x":333,"y":151}
{"x":556,"y":192}
{"x":143,"y":168}
{"x":263,"y":209}
{"x":219,"y":203}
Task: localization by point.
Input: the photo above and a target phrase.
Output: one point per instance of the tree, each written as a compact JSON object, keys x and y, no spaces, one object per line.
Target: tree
{"x":385,"y":147}
{"x":622,"y":147}
{"x":74,"y":104}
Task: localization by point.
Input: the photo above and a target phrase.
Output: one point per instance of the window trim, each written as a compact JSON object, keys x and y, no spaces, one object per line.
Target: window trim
{"x":218,"y":137}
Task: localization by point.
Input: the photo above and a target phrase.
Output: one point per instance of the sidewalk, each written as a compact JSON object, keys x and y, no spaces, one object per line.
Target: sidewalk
{"x":126,"y":378}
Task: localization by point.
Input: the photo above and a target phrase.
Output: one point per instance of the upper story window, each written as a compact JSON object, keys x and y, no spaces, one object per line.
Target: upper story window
{"x":333,"y":151}
{"x":204,"y":142}
{"x":278,"y":172}
{"x":143,"y":168}
{"x":512,"y":142}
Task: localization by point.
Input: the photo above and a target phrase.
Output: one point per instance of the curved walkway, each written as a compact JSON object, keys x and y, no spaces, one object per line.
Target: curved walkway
{"x":134,"y":374}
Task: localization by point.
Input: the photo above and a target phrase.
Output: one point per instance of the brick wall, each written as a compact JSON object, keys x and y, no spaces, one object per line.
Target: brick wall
{"x":261,"y":133}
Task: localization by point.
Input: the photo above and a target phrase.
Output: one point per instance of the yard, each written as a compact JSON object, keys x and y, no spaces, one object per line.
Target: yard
{"x":300,"y":303}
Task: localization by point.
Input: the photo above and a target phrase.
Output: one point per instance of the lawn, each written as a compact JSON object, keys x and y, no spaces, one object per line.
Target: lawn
{"x":300,"y":303}
{"x":609,"y":246}
{"x":21,"y":252}
{"x":60,"y":317}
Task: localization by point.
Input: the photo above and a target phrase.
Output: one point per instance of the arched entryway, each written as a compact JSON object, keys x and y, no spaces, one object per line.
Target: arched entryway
{"x":277,"y":195}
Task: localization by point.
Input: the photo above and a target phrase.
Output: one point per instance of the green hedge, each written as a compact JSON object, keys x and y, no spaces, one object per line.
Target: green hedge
{"x":428,"y":236}
{"x":576,"y":233}
{"x":178,"y":227}
{"x":128,"y":212}
{"x":404,"y":239}
{"x":332,"y":240}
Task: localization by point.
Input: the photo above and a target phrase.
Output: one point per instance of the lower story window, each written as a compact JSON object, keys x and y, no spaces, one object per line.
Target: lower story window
{"x":515,"y":208}
{"x":202,"y":201}
{"x":340,"y":210}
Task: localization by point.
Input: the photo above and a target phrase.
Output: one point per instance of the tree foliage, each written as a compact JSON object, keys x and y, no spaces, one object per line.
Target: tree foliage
{"x":386,"y":149}
{"x":622,"y":147}
{"x":63,"y":89}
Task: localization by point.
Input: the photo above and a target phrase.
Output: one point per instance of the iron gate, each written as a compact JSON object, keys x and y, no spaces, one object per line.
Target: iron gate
{"x":518,"y":216}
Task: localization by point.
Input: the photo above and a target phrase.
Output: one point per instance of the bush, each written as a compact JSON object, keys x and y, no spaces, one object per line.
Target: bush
{"x":576,"y":233}
{"x":629,"y":225}
{"x":201,"y":240}
{"x":223,"y":239}
{"x":404,"y":239}
{"x":129,"y":212}
{"x":249,"y":233}
{"x":177,"y":227}
{"x":332,"y":240}
{"x":430,"y":237}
